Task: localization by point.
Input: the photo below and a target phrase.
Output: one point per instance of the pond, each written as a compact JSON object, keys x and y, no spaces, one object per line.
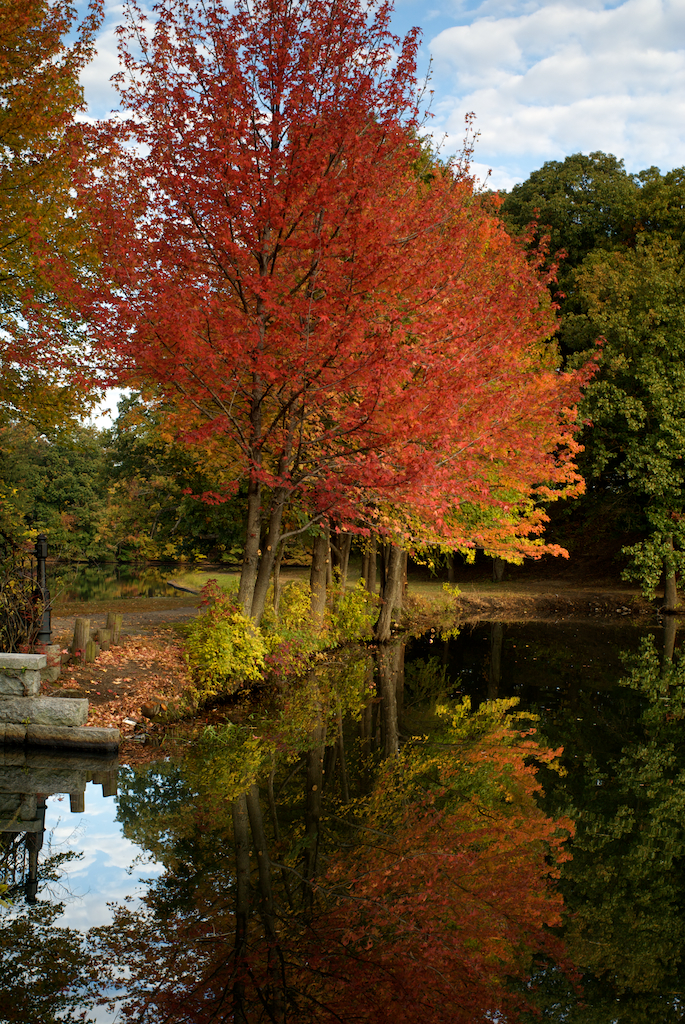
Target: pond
{"x":370,"y":850}
{"x":72,"y":582}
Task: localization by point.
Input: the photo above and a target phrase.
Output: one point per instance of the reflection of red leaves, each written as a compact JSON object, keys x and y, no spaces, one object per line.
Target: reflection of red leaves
{"x":460,"y":891}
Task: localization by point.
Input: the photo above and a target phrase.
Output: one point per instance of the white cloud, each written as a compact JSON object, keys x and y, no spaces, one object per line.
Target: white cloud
{"x":95,"y":78}
{"x":547,"y":80}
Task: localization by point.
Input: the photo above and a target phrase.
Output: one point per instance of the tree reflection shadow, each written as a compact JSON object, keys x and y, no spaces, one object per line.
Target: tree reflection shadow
{"x":319,"y":873}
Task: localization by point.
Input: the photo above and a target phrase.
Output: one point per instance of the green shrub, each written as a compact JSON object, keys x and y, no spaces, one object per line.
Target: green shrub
{"x":292,"y":642}
{"x":353,"y":613}
{"x":223,"y":648}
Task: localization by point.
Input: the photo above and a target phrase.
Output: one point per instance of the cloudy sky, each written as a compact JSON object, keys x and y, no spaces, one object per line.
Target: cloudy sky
{"x":544,"y":79}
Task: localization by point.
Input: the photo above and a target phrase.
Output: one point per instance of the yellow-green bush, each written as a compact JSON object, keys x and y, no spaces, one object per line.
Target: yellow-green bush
{"x":223,"y":648}
{"x":352,"y":614}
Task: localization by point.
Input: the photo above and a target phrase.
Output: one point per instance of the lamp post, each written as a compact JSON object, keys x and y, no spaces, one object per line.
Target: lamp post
{"x":41,"y":553}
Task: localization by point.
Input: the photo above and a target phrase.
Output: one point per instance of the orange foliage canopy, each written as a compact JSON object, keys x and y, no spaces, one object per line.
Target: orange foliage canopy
{"x":348,"y":322}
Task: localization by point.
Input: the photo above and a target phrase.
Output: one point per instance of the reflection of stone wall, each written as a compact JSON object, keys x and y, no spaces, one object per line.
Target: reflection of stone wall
{"x":27,"y":779}
{"x":29,"y":776}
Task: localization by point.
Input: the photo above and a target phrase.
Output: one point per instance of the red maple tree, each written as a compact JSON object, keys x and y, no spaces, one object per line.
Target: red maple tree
{"x":346,"y":323}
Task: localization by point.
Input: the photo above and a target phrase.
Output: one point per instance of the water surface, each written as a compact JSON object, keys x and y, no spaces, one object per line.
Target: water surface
{"x":365,"y":855}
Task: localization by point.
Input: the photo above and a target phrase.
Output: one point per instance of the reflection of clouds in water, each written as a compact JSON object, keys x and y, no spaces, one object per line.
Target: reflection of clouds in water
{"x":110,"y":867}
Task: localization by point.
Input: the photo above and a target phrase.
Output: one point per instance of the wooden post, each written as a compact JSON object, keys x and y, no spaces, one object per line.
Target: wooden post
{"x":81,"y":637}
{"x":91,"y":652}
{"x":77,"y":802}
{"x":114,"y":622}
{"x":104,"y":639}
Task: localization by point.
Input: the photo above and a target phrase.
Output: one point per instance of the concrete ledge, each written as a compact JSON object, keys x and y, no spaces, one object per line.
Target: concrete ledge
{"x":11,"y":825}
{"x":29,"y":662}
{"x":12,"y":733}
{"x":15,"y":781}
{"x":53,"y":711}
{"x":40,"y":760}
{"x":89,"y":738}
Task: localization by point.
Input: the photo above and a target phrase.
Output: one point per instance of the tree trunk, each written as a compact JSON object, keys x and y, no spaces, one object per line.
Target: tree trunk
{"x":371,"y":578}
{"x":495,"y":674}
{"x":268,"y":557}
{"x":670,"y":586}
{"x":274,"y":993}
{"x":399,"y":681}
{"x":318,"y":577}
{"x":387,"y":679}
{"x":340,"y":742}
{"x":313,"y":807}
{"x":498,"y":566}
{"x":254,"y":811}
{"x":402,"y":590}
{"x":391,"y":592}
{"x":670,"y":628}
{"x":242,"y":902}
{"x":277,"y":580}
{"x":248,"y":575}
{"x":384,"y":552}
{"x":344,"y":546}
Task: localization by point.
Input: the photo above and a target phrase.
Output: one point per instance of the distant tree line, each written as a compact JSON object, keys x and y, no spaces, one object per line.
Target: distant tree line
{"x":618,"y":240}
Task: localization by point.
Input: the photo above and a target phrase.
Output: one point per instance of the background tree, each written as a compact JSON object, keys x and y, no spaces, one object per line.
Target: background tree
{"x":575,"y":206}
{"x":155,"y":488}
{"x":54,"y":482}
{"x":635,"y":302}
{"x":620,"y":237}
{"x":40,"y":96}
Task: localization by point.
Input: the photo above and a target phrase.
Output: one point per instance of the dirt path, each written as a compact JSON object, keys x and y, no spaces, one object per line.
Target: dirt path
{"x":136,"y":622}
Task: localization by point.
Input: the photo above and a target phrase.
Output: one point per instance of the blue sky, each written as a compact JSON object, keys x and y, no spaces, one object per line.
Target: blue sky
{"x":543,"y":79}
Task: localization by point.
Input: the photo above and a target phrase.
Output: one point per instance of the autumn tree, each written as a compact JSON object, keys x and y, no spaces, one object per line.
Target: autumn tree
{"x":41,"y":348}
{"x":352,"y":333}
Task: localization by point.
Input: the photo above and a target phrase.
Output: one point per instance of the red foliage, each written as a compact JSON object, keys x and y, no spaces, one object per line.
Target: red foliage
{"x":350,"y":334}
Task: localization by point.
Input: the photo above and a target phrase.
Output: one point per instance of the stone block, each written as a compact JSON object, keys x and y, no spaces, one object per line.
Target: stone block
{"x":11,"y":825}
{"x":12,"y":734}
{"x":33,"y":760}
{"x":30,"y":662}
{"x":20,"y":674}
{"x":53,"y":670}
{"x":57,"y":711}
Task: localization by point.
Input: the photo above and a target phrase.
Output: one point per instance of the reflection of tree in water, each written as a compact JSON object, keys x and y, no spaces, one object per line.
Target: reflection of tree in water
{"x":45,"y":968}
{"x":321,"y":873}
{"x":625,"y":887}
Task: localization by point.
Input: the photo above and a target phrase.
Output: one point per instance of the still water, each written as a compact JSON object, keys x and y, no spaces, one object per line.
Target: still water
{"x":368,"y":849}
{"x":72,"y":582}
